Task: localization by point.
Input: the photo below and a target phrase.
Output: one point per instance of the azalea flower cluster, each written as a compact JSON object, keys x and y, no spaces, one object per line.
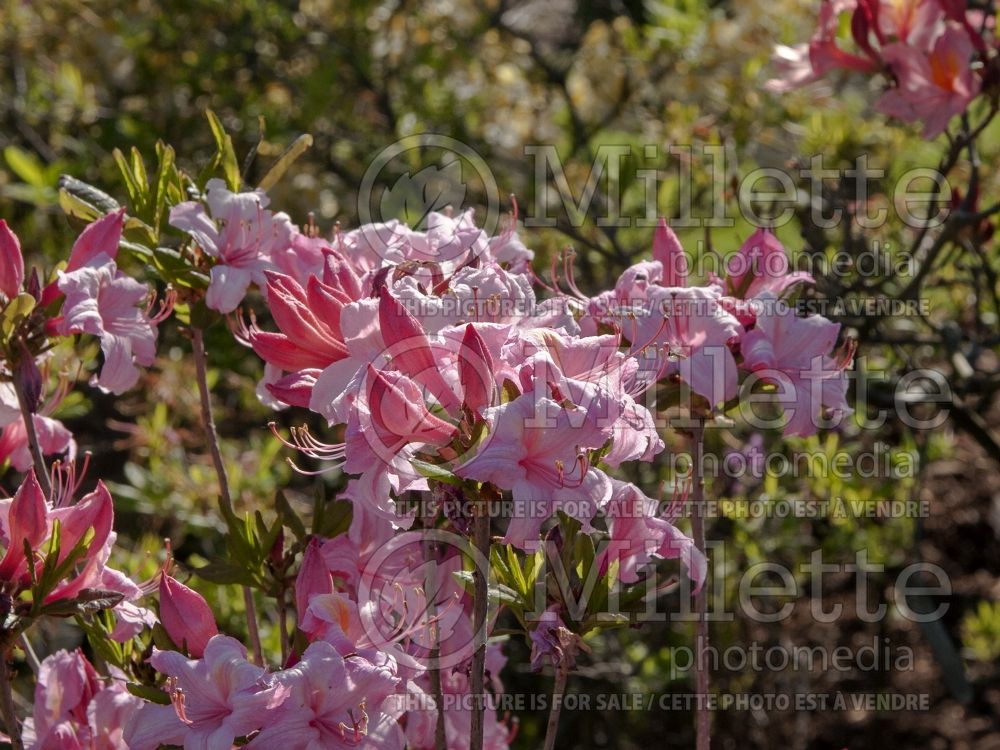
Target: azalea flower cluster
{"x":936,"y":55}
{"x":89,"y":295}
{"x":451,"y":369}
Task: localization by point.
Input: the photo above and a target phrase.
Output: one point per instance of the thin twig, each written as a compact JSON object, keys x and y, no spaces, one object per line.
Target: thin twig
{"x":7,"y":702}
{"x":225,"y":496}
{"x":481,"y":540}
{"x":29,"y":650}
{"x":283,"y":626}
{"x":703,"y":732}
{"x":37,"y":458}
{"x":558,"y":690}
{"x":430,"y":591}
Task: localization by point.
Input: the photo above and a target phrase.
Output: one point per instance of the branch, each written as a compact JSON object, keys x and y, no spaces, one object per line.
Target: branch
{"x":225,"y":496}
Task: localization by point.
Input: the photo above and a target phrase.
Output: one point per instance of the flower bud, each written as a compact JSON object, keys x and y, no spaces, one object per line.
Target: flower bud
{"x":667,"y":249}
{"x":186,"y":616}
{"x":475,"y":370}
{"x":11,"y":262}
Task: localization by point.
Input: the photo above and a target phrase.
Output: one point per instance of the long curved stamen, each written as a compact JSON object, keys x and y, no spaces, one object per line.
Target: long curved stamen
{"x":166,"y":306}
{"x":678,"y":500}
{"x":568,"y":255}
{"x":540,"y":281}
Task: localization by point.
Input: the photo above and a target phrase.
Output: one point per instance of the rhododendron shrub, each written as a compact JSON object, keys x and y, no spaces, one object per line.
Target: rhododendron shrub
{"x":485,"y":417}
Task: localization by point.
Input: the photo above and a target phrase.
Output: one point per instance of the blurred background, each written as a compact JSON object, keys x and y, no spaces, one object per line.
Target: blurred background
{"x":80,"y":78}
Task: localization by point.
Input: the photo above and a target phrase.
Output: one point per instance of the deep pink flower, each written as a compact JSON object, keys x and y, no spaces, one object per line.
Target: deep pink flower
{"x":309,"y":320}
{"x":27,"y":523}
{"x":475,"y":371}
{"x":761,"y":265}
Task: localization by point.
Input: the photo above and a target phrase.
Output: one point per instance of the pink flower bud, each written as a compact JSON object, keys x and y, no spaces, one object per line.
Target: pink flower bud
{"x":410,"y":350}
{"x":186,"y":616}
{"x":99,"y":237}
{"x":397,"y":408}
{"x":28,"y":522}
{"x":475,"y":370}
{"x":11,"y":262}
{"x":667,"y":249}
{"x":313,"y":580}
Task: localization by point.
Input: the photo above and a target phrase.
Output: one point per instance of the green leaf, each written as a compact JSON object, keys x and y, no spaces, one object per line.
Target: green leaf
{"x":289,"y":516}
{"x":437,"y":473}
{"x":278,"y":169}
{"x":103,"y":202}
{"x":136,"y":192}
{"x":87,"y":601}
{"x":514,"y":564}
{"x":148,"y":693}
{"x":225,"y":573}
{"x":164,"y":173}
{"x":17,"y":310}
{"x":227,"y":154}
{"x":503,"y":594}
{"x":27,"y":166}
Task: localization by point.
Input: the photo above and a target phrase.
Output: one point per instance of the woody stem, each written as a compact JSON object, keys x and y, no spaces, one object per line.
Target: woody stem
{"x":481,"y":541}
{"x":703,"y":733}
{"x":37,"y":458}
{"x":558,"y":689}
{"x":225,"y":496}
{"x":7,"y":701}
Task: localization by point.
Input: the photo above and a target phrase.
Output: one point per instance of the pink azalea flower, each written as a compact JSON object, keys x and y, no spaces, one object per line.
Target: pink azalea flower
{"x":334,"y":702}
{"x":421,"y":724}
{"x":793,"y":67}
{"x":639,"y":535}
{"x":695,"y":326}
{"x":933,"y":87}
{"x":914,"y":22}
{"x":109,"y":713}
{"x":761,"y":265}
{"x":244,"y":247}
{"x":794,"y":353}
{"x":537,"y":450}
{"x":131,"y":620}
{"x":27,"y":523}
{"x":104,"y":302}
{"x":65,"y":686}
{"x":74,"y":711}
{"x":53,"y":438}
{"x":216,"y":699}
